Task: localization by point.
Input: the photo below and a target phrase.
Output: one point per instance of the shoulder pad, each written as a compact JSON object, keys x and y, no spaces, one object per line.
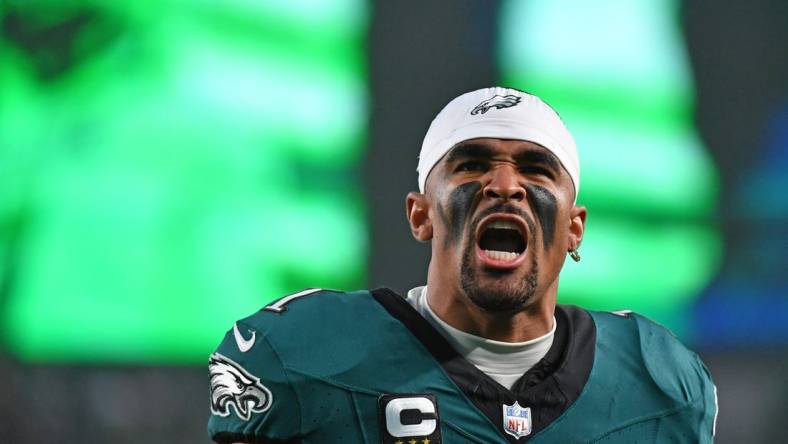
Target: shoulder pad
{"x":674,"y":368}
{"x":305,"y":310}
{"x":307,"y":299}
{"x":250,"y":390}
{"x":280,"y":305}
{"x":669,"y":375}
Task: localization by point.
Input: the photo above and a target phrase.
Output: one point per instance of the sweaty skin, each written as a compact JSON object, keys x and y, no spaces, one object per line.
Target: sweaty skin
{"x":545,"y":207}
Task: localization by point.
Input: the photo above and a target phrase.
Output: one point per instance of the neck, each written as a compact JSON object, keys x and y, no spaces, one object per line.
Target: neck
{"x":452,"y":306}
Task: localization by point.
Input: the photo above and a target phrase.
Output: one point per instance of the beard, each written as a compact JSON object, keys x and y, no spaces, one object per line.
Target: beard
{"x":502,"y":295}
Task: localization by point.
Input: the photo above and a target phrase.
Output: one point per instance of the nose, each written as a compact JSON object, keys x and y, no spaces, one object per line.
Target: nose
{"x":504,"y":184}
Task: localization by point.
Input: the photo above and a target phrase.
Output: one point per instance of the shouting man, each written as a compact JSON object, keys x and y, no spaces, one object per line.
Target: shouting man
{"x":482,"y":353}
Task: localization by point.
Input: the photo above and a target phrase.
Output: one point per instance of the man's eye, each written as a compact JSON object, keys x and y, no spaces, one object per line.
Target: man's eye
{"x":536,"y":170}
{"x":471,"y":166}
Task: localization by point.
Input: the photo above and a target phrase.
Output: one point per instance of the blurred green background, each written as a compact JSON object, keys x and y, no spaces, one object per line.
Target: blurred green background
{"x":167,"y":168}
{"x":171,"y":165}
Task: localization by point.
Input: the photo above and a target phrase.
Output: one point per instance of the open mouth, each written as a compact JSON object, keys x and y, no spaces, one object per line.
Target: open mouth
{"x":502,"y":239}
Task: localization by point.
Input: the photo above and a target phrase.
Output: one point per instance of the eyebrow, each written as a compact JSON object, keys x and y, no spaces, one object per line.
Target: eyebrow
{"x":530,"y":157}
{"x":470,"y":150}
{"x":545,"y":158}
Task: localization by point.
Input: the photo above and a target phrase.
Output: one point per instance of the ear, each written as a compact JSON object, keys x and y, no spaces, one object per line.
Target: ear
{"x":417,"y":212}
{"x":577,"y":226}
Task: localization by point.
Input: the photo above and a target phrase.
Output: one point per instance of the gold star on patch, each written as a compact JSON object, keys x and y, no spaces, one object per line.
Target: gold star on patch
{"x":398,"y":442}
{"x":425,"y":441}
{"x":412,"y":441}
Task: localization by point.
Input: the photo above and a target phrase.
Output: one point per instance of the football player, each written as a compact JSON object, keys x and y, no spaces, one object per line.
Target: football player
{"x":482,"y":353}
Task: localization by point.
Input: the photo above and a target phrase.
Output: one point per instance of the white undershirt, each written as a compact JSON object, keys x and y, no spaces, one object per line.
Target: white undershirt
{"x":505,"y":362}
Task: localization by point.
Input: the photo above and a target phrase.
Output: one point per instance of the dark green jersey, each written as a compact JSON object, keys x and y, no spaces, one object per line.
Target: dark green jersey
{"x":364,"y":367}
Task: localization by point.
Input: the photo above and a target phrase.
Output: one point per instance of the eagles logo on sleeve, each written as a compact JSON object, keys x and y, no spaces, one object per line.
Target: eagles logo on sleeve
{"x":496,"y":102}
{"x":231,"y":385}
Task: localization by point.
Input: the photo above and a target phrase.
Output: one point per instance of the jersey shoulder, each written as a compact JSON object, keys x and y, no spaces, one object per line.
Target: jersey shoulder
{"x":303,"y":326}
{"x":308,"y":314}
{"x":663,"y":367}
{"x":254,"y":390}
{"x":307,"y":349}
{"x":676,"y":370}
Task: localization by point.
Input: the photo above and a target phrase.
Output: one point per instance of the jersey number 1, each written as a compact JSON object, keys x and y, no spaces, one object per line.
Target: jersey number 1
{"x":280,"y":305}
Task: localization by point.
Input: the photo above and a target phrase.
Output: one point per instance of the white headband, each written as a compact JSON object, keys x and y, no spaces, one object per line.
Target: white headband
{"x":500,"y":113}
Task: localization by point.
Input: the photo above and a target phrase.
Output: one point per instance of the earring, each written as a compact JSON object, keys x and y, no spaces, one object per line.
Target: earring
{"x":574,"y":254}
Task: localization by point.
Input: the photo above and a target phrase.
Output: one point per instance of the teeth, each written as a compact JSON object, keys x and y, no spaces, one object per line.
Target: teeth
{"x":505,"y":224}
{"x":507,"y":256}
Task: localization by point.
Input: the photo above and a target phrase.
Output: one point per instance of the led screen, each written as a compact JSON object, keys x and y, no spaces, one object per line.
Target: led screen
{"x":169,"y":167}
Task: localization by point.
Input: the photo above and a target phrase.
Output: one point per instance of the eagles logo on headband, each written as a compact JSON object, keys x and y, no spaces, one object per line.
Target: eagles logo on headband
{"x":500,"y":113}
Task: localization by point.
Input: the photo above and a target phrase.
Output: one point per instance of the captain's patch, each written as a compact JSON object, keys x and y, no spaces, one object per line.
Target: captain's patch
{"x":409,"y":418}
{"x":232,"y":386}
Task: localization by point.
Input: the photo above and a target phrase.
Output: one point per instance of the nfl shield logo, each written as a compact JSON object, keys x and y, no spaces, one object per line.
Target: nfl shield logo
{"x":516,"y":420}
